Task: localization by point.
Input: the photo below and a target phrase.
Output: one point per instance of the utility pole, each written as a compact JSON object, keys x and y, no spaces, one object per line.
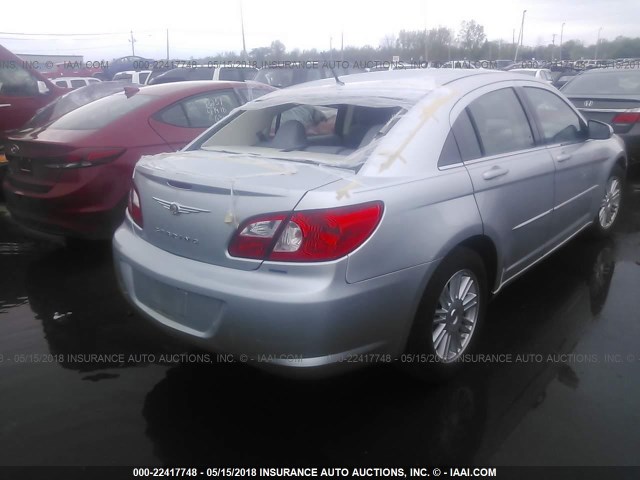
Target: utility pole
{"x":342,"y":46}
{"x":598,"y":43}
{"x":167,"y":45}
{"x":244,"y":45}
{"x":515,"y":59}
{"x":553,"y":49}
{"x":133,"y":48}
{"x":561,"y":32}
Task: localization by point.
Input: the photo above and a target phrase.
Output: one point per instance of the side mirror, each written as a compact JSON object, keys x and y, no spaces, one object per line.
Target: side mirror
{"x":42,"y":88}
{"x":599,"y":130}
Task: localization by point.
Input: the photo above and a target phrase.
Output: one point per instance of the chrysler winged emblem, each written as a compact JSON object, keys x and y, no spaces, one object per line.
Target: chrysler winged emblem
{"x":176,"y":209}
{"x":588,"y":103}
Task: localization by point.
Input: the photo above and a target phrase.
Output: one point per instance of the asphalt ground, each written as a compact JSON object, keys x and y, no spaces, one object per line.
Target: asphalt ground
{"x":556,"y":379}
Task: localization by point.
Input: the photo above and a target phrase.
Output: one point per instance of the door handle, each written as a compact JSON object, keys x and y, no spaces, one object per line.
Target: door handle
{"x":494,"y":172}
{"x":563,"y":156}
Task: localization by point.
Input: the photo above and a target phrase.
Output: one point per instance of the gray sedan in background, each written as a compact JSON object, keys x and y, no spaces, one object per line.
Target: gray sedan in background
{"x":610,"y":95}
{"x":368,"y":219}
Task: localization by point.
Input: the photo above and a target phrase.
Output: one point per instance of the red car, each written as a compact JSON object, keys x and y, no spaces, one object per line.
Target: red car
{"x":72,"y":177}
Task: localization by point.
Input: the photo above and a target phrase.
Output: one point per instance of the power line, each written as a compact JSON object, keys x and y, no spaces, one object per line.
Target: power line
{"x":62,"y":34}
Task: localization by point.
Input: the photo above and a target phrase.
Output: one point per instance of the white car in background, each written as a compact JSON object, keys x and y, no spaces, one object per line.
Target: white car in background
{"x":75,"y":82}
{"x":543,"y":74}
{"x":132,"y":76}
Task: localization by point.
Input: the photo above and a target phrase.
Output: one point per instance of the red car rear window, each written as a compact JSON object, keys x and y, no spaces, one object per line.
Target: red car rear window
{"x":100,"y":113}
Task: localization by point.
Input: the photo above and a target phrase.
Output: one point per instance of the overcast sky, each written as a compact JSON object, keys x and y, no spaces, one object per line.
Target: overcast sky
{"x":198,"y":28}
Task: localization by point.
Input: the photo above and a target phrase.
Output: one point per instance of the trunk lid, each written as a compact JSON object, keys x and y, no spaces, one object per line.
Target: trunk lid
{"x":27,"y":163}
{"x":192,"y":202}
{"x":603,"y":107}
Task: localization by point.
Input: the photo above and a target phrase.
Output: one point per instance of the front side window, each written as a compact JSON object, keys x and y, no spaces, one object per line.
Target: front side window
{"x":559,"y":122}
{"x":501,"y":123}
{"x":77,"y":83}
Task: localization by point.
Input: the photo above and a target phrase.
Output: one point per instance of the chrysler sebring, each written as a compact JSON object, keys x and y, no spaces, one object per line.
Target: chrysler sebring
{"x":343,"y":222}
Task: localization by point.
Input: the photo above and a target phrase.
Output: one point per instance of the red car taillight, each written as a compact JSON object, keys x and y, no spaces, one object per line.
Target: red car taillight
{"x":626,"y":118}
{"x":134,"y":207}
{"x":86,"y":157}
{"x":306,"y":236}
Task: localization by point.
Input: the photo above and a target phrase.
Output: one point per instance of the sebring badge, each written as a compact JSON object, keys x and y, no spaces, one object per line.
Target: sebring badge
{"x":588,"y":103}
{"x":177,"y":209}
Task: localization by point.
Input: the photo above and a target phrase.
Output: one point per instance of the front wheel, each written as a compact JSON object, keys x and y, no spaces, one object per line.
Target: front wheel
{"x":609,"y":209}
{"x":450,"y":315}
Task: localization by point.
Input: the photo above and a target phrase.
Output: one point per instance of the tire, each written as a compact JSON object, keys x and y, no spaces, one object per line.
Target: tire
{"x":609,"y":209}
{"x":425,"y":353}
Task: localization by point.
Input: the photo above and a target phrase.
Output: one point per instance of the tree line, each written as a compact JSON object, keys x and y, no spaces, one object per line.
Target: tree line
{"x":442,"y":44}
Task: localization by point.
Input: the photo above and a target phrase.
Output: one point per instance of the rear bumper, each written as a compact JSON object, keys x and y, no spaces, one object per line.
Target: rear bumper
{"x":306,"y":322}
{"x":81,"y":211}
{"x":42,"y":215}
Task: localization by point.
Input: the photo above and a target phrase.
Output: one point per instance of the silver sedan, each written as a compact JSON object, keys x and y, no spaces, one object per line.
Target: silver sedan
{"x":363,"y":219}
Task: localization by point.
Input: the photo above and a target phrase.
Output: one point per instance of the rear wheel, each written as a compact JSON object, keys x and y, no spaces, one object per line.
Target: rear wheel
{"x":609,"y":209}
{"x":450,"y":315}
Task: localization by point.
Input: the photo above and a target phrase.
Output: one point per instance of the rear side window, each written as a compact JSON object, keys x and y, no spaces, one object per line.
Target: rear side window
{"x":501,"y":123}
{"x":15,"y":81}
{"x":205,"y":110}
{"x":143,"y":77}
{"x":174,"y":115}
{"x":61,"y":83}
{"x":100,"y":113}
{"x":77,"y":83}
{"x":466,"y":138}
{"x":450,"y":154}
{"x":558,"y":121}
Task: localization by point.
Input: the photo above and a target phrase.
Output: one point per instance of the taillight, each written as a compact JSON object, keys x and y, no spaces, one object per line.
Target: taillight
{"x":86,"y":157}
{"x":306,"y":236}
{"x":626,"y":118}
{"x":134,"y":207}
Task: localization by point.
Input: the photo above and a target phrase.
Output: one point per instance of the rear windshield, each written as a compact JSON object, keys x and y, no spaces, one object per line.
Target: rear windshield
{"x":101,"y":112}
{"x":614,"y":83}
{"x":338,"y":129}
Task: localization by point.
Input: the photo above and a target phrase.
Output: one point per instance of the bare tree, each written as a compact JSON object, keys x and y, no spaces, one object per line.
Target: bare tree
{"x":471,"y":35}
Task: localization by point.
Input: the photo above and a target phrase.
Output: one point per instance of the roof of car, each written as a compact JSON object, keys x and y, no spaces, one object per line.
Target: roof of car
{"x":397,"y":87}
